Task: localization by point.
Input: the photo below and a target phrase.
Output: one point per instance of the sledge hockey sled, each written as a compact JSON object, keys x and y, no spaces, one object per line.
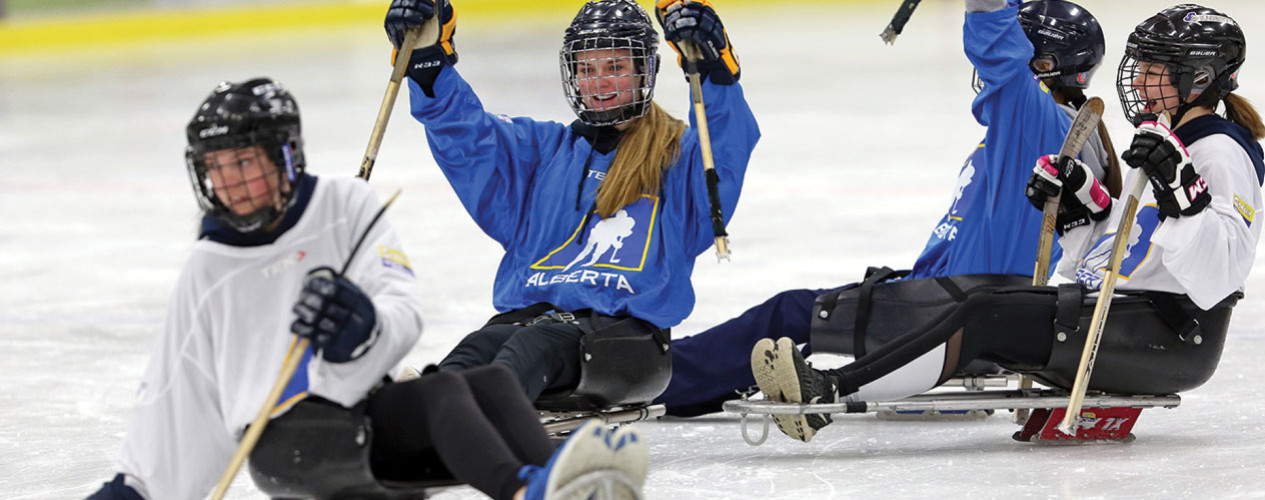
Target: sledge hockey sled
{"x":1104,"y":418}
{"x":622,"y":370}
{"x":320,"y":451}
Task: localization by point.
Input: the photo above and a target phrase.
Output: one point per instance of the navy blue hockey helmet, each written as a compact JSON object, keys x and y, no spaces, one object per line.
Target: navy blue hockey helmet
{"x":1201,"y":48}
{"x":1067,"y":43}
{"x":235,"y":123}
{"x":602,"y":30}
{"x":1067,"y":39}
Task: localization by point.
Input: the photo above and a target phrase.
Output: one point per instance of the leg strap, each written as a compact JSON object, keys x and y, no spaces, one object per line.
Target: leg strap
{"x":1067,"y":315}
{"x":1169,"y":308}
{"x":865,"y":297}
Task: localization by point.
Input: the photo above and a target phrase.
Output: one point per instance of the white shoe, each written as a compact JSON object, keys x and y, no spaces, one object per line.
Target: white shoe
{"x":631,"y":458}
{"x":581,"y":469}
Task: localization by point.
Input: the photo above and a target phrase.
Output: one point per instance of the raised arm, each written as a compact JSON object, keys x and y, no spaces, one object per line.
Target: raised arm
{"x":490,"y":160}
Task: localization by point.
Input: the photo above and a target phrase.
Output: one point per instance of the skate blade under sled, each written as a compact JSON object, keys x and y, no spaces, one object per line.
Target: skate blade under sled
{"x":1104,"y":418}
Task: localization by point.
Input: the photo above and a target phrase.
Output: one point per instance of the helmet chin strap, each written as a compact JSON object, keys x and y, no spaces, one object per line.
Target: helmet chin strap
{"x":1209,"y":93}
{"x":1206,"y":98}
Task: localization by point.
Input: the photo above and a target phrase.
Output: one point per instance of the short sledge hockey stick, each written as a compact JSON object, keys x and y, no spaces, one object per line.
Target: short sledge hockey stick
{"x":898,"y":21}
{"x":292,"y":359}
{"x":428,"y":32}
{"x":692,"y":56}
{"x":1071,"y":420}
{"x":1083,"y":126}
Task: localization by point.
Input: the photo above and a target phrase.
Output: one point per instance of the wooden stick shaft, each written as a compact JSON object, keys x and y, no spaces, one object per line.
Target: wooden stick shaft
{"x":1045,"y":245}
{"x":1072,"y":419}
{"x":691,"y":53}
{"x":700,"y":115}
{"x":388,"y":102}
{"x":256,"y":428}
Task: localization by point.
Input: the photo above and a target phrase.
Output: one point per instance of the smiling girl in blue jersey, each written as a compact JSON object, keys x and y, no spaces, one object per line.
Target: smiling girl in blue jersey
{"x":601,"y":220}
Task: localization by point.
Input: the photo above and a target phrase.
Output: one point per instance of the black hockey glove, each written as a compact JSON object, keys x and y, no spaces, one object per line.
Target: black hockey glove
{"x":425,"y":63}
{"x":338,"y":318}
{"x":1084,"y":198}
{"x":697,"y":22}
{"x":1179,"y":190}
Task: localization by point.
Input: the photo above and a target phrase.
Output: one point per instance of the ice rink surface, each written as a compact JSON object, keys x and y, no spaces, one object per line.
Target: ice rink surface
{"x":862,"y":143}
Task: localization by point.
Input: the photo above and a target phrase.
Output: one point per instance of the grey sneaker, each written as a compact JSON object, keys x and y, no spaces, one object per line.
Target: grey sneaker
{"x":784,"y":376}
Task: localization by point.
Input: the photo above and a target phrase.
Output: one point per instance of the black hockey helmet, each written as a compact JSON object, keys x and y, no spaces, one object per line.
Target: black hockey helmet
{"x":610,"y":24}
{"x":1201,"y":47}
{"x":1067,"y":39}
{"x":258,"y":112}
{"x":1067,"y":43}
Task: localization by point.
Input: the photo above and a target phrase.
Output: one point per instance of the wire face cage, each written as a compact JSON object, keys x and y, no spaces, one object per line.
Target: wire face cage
{"x":607,"y":80}
{"x":1162,"y":84}
{"x":242,"y":184}
{"x":1144,"y":87}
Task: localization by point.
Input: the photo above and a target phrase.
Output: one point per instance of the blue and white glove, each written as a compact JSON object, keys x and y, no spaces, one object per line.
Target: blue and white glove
{"x":335,"y":315}
{"x":1179,"y":190}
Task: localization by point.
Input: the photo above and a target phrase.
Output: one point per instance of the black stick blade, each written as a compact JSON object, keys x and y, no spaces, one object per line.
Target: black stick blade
{"x":898,"y":21}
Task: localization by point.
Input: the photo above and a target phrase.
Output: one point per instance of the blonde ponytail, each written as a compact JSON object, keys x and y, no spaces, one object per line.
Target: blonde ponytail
{"x":1239,"y":110}
{"x":648,"y":147}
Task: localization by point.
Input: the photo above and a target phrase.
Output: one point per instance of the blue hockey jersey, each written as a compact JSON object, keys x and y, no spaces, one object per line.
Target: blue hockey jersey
{"x":990,"y":226}
{"x":531,"y":186}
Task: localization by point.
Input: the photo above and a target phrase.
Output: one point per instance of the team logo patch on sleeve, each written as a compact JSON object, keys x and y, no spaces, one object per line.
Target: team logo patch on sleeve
{"x":1245,"y":210}
{"x":395,"y":259}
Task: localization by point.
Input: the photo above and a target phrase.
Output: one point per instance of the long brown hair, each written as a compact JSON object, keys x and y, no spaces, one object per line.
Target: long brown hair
{"x":1239,"y":110}
{"x":647,"y":148}
{"x":1076,"y":98}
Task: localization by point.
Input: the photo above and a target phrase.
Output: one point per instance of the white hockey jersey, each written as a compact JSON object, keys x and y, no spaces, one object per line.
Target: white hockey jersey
{"x":1206,"y":256}
{"x":228,"y":330}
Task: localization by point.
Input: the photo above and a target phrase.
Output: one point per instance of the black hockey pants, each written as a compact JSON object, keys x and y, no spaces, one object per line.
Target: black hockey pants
{"x":539,"y":345}
{"x":475,"y":422}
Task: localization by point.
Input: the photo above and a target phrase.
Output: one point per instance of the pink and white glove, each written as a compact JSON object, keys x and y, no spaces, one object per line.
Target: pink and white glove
{"x":1084,"y":198}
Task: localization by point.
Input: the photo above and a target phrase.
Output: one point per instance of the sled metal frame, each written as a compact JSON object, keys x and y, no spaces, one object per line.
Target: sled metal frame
{"x":559,"y":423}
{"x":1015,"y":399}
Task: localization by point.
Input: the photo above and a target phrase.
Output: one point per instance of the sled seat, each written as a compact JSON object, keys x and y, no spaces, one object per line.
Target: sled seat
{"x":319,"y":450}
{"x":619,"y":367}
